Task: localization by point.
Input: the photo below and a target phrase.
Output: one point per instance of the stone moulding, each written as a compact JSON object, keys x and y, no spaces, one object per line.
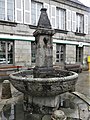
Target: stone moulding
{"x":25,"y":83}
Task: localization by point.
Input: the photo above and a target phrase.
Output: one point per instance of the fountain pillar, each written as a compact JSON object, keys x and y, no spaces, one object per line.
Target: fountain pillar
{"x":44,"y":64}
{"x":44,"y":44}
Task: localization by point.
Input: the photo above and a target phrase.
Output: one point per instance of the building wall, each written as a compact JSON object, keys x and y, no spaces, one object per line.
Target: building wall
{"x":15,"y":29}
{"x":70,"y":54}
{"x":54,"y":53}
{"x":23,"y":53}
{"x":24,"y":31}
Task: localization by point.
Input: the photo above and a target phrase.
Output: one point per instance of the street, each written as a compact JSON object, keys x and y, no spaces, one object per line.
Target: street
{"x":83,"y":83}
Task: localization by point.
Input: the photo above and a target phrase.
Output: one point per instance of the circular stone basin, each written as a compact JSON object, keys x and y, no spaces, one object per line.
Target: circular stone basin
{"x":50,"y":85}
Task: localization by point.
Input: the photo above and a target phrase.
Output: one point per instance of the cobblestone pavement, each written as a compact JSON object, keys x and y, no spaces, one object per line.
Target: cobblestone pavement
{"x":79,"y":110}
{"x":83,"y":83}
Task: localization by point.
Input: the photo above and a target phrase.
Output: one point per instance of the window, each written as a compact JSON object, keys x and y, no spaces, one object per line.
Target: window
{"x":19,"y":11}
{"x":60,"y":52}
{"x":35,"y":12}
{"x":6,"y":52}
{"x":53,"y":16}
{"x":33,"y":52}
{"x":68,"y":20}
{"x":73,"y":21}
{"x":60,"y":19}
{"x":23,"y":11}
{"x":86,"y":24}
{"x":27,"y":11}
{"x":47,"y":7}
{"x":7,"y":10}
{"x":79,"y":23}
{"x":79,"y":54}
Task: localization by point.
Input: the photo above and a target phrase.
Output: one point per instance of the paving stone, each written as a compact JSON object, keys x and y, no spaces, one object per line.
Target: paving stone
{"x":83,"y":97}
{"x":46,"y":117}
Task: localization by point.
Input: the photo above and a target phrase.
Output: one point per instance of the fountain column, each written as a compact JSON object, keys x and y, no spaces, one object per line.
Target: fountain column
{"x":44,"y":43}
{"x":44,"y":65}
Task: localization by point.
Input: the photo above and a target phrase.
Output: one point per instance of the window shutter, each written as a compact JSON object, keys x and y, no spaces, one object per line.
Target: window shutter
{"x":10,"y":10}
{"x":53,"y":16}
{"x":38,"y":8}
{"x":68,"y":20}
{"x":47,"y":7}
{"x":19,"y":11}
{"x":73,"y":21}
{"x":60,"y":17}
{"x":27,"y":11}
{"x":86,"y":24}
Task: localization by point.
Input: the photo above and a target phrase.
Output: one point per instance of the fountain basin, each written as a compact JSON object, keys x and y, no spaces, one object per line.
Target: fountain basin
{"x":52,"y":85}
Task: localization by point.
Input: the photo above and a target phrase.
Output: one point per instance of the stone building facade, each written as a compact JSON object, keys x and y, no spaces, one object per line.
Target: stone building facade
{"x":18,"y":20}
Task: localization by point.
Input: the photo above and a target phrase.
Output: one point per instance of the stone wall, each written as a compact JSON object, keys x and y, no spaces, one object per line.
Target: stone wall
{"x":23,"y":53}
{"x":70,"y":54}
{"x":23,"y":49}
{"x":54,"y":53}
{"x":15,"y":29}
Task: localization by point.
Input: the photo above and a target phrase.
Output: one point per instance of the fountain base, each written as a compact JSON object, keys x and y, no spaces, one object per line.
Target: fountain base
{"x":41,"y":105}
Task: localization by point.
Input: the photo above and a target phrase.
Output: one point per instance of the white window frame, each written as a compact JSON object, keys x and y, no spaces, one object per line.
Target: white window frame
{"x":60,"y":52}
{"x":6,"y":19}
{"x":19,"y":9}
{"x":36,"y":13}
{"x":27,"y":11}
{"x":57,"y":19}
{"x":73,"y":21}
{"x":7,"y":57}
{"x":60,"y":17}
{"x":6,"y":10}
{"x":53,"y":17}
{"x":86,"y":24}
{"x":68,"y":20}
{"x":79,"y":23}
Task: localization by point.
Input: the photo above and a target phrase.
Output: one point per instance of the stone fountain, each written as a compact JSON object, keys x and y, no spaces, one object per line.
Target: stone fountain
{"x":43,"y":84}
